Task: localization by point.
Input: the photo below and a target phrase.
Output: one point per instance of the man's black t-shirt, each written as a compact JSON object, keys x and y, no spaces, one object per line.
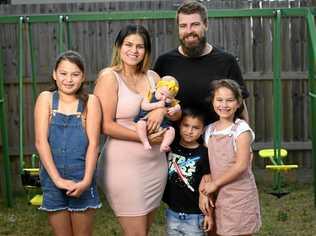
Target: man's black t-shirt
{"x":185,"y":170}
{"x":195,"y":75}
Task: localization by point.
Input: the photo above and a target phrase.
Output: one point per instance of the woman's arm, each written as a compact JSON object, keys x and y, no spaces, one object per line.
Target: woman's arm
{"x":148,"y":106}
{"x":93,"y":126}
{"x":242,"y":158}
{"x":106,"y":89}
{"x":41,"y":119}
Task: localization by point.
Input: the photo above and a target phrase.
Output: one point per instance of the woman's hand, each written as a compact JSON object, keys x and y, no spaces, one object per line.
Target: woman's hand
{"x":156,"y":138}
{"x":154,"y":119}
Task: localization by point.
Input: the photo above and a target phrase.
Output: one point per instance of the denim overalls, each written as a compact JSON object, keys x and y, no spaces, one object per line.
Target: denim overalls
{"x":68,"y":143}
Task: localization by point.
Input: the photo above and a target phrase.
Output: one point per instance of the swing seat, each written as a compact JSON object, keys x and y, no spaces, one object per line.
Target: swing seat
{"x":31,"y":183}
{"x":30,"y":177}
{"x":33,"y":171}
{"x":37,"y":200}
{"x":281,"y":167}
{"x":269,"y":153}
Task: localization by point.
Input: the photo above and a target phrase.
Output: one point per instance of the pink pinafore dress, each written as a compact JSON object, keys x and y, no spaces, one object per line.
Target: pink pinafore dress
{"x":237,"y":209}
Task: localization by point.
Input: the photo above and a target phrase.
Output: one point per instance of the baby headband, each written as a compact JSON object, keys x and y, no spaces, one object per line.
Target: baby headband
{"x":172,"y":85}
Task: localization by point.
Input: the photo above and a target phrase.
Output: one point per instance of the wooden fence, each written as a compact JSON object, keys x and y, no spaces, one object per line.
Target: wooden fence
{"x":249,"y":39}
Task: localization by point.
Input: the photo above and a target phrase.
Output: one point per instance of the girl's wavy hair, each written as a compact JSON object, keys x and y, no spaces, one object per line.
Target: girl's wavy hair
{"x":232,"y":86}
{"x":140,"y":30}
{"x":75,"y":58}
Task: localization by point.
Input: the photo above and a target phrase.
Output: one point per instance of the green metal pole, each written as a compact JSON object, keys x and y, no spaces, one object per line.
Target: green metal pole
{"x":69,"y":39}
{"x":34,"y":87}
{"x":277,"y":94}
{"x":61,"y":34}
{"x":312,"y":86}
{"x":277,"y":91}
{"x":5,"y":143}
{"x":21,"y":113}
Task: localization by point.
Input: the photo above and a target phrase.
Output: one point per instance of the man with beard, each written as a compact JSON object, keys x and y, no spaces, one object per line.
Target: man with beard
{"x":195,"y":63}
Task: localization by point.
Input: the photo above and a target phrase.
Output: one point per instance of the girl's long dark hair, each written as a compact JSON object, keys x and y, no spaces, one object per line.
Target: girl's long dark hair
{"x":75,"y":58}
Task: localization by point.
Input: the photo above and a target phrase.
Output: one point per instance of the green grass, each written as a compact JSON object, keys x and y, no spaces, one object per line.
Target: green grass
{"x":293,"y":215}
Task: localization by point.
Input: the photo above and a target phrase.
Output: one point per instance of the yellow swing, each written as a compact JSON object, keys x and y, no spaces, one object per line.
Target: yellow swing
{"x":277,"y":166}
{"x":31,"y":183}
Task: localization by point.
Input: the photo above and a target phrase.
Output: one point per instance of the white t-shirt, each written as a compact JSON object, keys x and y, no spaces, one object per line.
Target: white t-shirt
{"x":242,"y":127}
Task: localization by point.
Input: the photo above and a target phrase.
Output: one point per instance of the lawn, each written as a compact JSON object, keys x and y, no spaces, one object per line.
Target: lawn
{"x":291,"y":215}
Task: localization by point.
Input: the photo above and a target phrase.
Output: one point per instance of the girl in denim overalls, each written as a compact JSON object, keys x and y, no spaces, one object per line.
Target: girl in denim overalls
{"x":237,"y":210}
{"x":67,"y":127}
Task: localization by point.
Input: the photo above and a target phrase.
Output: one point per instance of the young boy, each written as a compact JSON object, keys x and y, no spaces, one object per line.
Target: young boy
{"x":188,"y":162}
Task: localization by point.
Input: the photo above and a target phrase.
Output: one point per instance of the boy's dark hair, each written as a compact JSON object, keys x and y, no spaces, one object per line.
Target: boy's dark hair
{"x":192,"y":7}
{"x":194,"y":113}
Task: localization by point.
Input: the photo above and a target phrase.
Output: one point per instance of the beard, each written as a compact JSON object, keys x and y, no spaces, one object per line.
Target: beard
{"x":193,"y":49}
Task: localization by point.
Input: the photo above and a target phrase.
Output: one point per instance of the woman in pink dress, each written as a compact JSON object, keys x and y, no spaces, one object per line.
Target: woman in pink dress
{"x":133,"y":178}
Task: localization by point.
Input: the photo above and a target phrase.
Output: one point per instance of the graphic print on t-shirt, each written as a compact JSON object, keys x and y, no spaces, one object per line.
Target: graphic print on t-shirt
{"x":182,"y":169}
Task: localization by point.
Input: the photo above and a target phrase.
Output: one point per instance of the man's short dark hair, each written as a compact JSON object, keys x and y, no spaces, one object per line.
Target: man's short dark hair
{"x":192,"y":7}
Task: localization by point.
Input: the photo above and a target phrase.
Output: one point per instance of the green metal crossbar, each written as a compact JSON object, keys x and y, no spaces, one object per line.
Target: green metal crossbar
{"x":65,"y":19}
{"x":156,"y":15}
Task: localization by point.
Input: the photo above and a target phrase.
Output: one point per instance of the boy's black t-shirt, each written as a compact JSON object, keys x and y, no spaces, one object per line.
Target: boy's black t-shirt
{"x":193,"y":164}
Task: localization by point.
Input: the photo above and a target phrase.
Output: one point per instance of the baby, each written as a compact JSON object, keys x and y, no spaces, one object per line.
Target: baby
{"x":164,"y":96}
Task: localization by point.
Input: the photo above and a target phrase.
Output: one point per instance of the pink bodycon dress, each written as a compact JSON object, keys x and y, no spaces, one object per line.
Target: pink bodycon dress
{"x":133,"y":178}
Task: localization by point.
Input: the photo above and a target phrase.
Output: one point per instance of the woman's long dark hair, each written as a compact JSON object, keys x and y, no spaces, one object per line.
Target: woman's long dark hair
{"x":140,"y":30}
{"x":75,"y":58}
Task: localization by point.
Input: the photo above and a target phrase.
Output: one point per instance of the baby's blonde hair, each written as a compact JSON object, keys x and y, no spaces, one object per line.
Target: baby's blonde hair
{"x":170,"y":82}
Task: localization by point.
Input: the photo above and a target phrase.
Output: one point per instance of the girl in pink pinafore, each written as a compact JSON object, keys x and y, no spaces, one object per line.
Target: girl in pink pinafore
{"x":237,"y":210}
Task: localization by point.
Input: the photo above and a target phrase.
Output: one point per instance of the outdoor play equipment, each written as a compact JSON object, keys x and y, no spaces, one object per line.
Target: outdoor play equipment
{"x":278,"y":166}
{"x":66,"y":20}
{"x":31,"y":183}
{"x":5,"y":144}
{"x":277,"y":154}
{"x":29,"y":175}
